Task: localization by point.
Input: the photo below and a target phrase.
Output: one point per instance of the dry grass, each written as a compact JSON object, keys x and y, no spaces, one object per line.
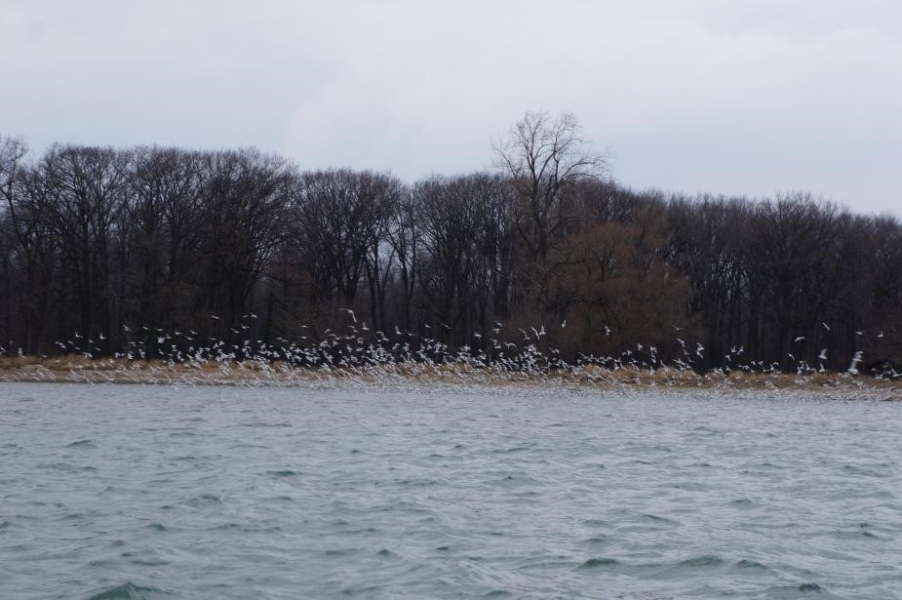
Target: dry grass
{"x":79,"y":368}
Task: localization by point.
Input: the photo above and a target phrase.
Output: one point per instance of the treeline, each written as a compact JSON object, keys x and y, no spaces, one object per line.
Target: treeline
{"x":103,"y":248}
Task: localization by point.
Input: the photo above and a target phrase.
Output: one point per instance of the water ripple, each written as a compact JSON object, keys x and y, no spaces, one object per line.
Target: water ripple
{"x":123,"y":492}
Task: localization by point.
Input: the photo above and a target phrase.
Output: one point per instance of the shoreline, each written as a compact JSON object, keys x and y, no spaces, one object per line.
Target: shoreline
{"x":72,"y":369}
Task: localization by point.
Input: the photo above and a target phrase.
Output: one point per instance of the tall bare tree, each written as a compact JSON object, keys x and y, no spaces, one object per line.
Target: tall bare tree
{"x":244,"y":195}
{"x":545,"y":158}
{"x":164,"y":218}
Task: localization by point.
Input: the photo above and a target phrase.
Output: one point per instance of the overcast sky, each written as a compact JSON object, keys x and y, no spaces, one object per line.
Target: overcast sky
{"x":726,"y":96}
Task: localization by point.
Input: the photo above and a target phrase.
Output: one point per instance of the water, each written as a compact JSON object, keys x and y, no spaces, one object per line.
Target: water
{"x":111,"y":492}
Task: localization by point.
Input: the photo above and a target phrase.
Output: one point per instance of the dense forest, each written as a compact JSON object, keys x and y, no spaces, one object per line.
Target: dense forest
{"x":152,"y":249}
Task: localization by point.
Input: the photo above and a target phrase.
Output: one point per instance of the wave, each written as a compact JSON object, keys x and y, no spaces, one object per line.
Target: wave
{"x":129,"y":591}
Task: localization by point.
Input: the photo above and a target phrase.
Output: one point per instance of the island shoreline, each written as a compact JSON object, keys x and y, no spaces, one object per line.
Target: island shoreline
{"x":76,"y":369}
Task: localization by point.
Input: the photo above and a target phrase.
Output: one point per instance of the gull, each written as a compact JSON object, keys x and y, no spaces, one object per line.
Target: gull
{"x":350,"y":312}
{"x":880,"y":335}
{"x":564,"y":323}
{"x":827,"y":327}
{"x":823,"y":354}
{"x":799,"y":339}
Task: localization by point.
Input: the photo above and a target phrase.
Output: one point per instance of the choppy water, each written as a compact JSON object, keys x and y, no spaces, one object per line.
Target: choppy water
{"x":111,"y":492}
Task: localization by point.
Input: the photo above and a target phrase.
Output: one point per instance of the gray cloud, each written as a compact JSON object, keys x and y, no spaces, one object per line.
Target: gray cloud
{"x":745,"y":97}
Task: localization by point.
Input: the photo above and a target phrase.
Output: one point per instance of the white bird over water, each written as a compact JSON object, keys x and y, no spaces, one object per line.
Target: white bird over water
{"x":822,"y":355}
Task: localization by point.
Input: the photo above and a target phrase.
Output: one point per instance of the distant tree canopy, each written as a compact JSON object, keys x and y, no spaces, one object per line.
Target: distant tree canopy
{"x":101,"y":246}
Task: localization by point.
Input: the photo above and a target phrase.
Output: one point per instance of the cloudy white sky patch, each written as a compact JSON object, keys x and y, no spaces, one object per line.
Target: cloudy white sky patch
{"x":740,"y":97}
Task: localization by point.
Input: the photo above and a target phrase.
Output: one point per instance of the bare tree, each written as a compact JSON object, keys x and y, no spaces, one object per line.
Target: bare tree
{"x":243,"y":198}
{"x":545,"y":158}
{"x":384,"y":193}
{"x":12,"y":151}
{"x":405,"y":239}
{"x":450,"y":221}
{"x":16,"y":245}
{"x":164,"y":218}
{"x":340,"y":222}
{"x":86,"y":189}
{"x":710,"y":244}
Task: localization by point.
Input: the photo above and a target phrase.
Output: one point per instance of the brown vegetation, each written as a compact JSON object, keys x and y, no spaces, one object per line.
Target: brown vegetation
{"x":80,"y":369}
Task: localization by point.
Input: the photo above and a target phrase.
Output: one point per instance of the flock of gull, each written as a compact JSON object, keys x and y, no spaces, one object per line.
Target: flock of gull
{"x":154,"y":355}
